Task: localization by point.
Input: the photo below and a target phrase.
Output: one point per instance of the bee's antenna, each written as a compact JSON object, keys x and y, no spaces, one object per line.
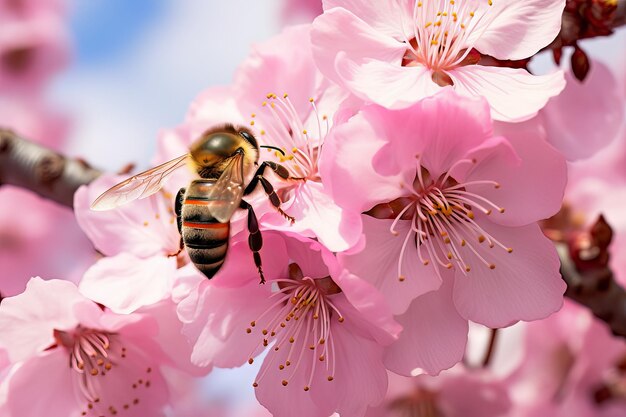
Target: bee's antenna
{"x":273,"y":147}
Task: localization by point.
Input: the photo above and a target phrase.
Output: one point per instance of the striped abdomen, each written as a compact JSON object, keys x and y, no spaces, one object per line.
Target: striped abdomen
{"x":205,"y":239}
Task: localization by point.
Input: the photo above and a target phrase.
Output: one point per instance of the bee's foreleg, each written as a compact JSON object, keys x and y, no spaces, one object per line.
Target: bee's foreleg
{"x":282,"y":172}
{"x":255,"y":239}
{"x":278,"y":169}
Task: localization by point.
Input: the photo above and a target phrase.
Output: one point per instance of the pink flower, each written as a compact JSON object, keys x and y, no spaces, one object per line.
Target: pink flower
{"x":71,"y":358}
{"x":397,"y":53}
{"x":31,"y":50}
{"x":38,"y":236}
{"x":301,"y":10}
{"x":586,"y":116}
{"x":139,"y":240}
{"x":445,"y":201}
{"x":571,"y":367}
{"x":297,"y":120}
{"x":324,"y":328}
{"x":459,"y":392}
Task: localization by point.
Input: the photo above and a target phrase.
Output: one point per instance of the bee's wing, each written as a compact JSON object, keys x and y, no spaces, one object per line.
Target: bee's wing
{"x":226,"y":193}
{"x":138,"y":186}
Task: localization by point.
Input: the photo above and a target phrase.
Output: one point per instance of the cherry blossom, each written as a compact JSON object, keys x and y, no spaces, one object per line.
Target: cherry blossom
{"x":398,"y":52}
{"x":571,"y":367}
{"x":458,"y":392}
{"x":292,"y":107}
{"x":114,"y":360}
{"x":324,"y":328}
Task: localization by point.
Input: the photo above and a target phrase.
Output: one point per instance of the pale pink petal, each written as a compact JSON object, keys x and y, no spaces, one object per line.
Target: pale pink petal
{"x":587,"y":115}
{"x":378,"y":264}
{"x":284,"y":64}
{"x":215,"y":321}
{"x":348,"y":168}
{"x":440,"y":129}
{"x":30,"y":394}
{"x":372,"y":311}
{"x":171,"y":342}
{"x":28,"y":320}
{"x":358,"y":40}
{"x":239,"y":268}
{"x":124,"y":282}
{"x":384,"y":16}
{"x":434,"y":335}
{"x":387,"y":84}
{"x":531,"y":188}
{"x":514,"y":29}
{"x":473,"y":394}
{"x":214,"y":106}
{"x":317,"y":215}
{"x":144,"y":227}
{"x":360,"y":365}
{"x":498,"y":85}
{"x":285,"y":400}
{"x":524,"y":285}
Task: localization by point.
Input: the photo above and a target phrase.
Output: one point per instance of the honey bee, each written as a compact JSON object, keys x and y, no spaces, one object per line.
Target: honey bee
{"x":223,"y":158}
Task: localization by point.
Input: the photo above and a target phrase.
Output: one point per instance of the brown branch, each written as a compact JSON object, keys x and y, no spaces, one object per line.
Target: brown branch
{"x":36,"y":168}
{"x":590,"y":281}
{"x":491,"y":347}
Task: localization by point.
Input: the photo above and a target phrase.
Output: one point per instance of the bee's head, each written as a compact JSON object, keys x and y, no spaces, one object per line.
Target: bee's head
{"x":212,"y":150}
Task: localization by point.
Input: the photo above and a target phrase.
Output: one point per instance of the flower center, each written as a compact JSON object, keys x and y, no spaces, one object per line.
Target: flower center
{"x":300,"y":321}
{"x":93,"y":355}
{"x":302,"y":148}
{"x":441,"y":214}
{"x":444,"y":32}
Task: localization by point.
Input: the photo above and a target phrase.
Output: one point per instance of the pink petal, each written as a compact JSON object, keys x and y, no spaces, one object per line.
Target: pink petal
{"x":357,"y":40}
{"x":42,"y":386}
{"x":173,"y":347}
{"x":434,"y":335}
{"x":317,"y":215}
{"x":525,"y":284}
{"x":372,"y":311}
{"x":471,"y":394}
{"x":530,"y":189}
{"x":378,"y":264}
{"x":520,"y":29}
{"x":347,"y":166}
{"x":572,"y":127}
{"x":239,"y":268}
{"x":498,"y":85}
{"x":441,"y":129}
{"x":215,"y":321}
{"x":28,"y":320}
{"x":387,"y":84}
{"x":283,"y":64}
{"x":125,"y":283}
{"x":144,"y":227}
{"x":384,"y":16}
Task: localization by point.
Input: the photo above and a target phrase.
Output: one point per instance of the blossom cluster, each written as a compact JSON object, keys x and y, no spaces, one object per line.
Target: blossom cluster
{"x":419,"y":170}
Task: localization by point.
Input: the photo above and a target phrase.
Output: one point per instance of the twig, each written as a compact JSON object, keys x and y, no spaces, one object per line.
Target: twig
{"x":493,"y":336}
{"x":36,"y":168}
{"x":590,"y":281}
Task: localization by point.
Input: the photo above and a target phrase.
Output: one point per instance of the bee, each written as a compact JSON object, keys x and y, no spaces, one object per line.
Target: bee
{"x":223,"y":158}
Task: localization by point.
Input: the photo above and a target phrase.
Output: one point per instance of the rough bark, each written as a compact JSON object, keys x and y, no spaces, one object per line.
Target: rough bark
{"x":36,"y":168}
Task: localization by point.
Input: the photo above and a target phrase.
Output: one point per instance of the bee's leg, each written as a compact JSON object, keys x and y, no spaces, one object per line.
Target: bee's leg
{"x":282,"y":172}
{"x":255,"y":239}
{"x":178,"y":210}
{"x":278,"y":169}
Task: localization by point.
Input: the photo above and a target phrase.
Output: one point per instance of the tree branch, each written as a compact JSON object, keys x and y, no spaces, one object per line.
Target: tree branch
{"x":36,"y":168}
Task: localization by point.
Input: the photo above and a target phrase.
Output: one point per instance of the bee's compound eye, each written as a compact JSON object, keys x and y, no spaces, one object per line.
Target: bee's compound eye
{"x":249,"y":138}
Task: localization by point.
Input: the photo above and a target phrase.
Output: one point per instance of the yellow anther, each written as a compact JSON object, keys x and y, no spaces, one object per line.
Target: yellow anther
{"x":492,"y":266}
{"x":509,"y":250}
{"x":401,"y":278}
{"x":481,"y":239}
